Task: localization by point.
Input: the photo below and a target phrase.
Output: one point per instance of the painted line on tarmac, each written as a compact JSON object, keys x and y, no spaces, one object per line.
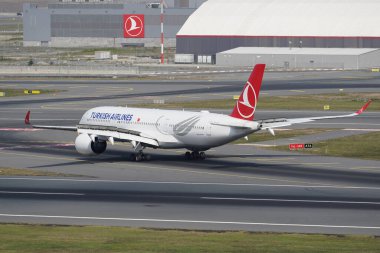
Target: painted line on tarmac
{"x":356,"y":124}
{"x":363,"y":129}
{"x":78,"y":87}
{"x":177,"y":170}
{"x":43,"y":193}
{"x":188,"y":221}
{"x":371,"y":169}
{"x":20,"y":129}
{"x":296,"y":200}
{"x":56,"y":145}
{"x":318,"y":163}
{"x":190,"y":183}
{"x":227,"y":175}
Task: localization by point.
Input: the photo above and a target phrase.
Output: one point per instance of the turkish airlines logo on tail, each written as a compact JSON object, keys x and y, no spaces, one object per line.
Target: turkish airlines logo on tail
{"x":134,"y":26}
{"x":246,"y":105}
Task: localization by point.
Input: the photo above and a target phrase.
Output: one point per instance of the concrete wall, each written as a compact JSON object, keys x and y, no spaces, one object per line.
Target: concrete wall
{"x":370,"y":60}
{"x":212,"y":45}
{"x":36,"y":23}
{"x":103,"y":22}
{"x":290,"y":61}
{"x":68,"y":71}
{"x":103,"y":42}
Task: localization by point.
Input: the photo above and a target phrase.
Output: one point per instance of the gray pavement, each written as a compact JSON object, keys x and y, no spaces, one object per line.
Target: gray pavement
{"x":314,"y":138}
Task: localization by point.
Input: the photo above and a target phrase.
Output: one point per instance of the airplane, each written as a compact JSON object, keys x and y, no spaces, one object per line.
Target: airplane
{"x":176,"y":129}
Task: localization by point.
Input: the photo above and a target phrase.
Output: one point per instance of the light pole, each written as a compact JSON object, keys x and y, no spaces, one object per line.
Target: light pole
{"x":162,"y":31}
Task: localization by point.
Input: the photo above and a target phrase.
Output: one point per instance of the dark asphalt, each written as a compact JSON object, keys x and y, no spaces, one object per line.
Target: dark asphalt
{"x":205,"y":206}
{"x":155,"y":88}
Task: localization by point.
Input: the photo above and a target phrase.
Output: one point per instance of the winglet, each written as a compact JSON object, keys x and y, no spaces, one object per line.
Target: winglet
{"x":27,"y":118}
{"x":363,"y":108}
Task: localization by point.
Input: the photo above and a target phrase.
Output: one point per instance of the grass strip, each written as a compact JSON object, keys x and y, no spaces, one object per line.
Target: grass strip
{"x":20,"y":92}
{"x":29,"y":172}
{"x":39,"y":238}
{"x":362,"y":146}
{"x":341,"y":101}
{"x":281,"y":134}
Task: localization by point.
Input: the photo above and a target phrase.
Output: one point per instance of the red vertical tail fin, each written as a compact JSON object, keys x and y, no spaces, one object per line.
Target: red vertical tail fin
{"x":246,"y":105}
{"x":27,"y":118}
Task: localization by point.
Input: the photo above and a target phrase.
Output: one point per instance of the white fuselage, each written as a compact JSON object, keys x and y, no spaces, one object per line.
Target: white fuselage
{"x":197,"y":131}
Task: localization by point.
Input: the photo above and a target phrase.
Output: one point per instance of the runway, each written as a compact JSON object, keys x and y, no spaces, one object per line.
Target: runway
{"x":206,"y":206}
{"x":239,"y":187}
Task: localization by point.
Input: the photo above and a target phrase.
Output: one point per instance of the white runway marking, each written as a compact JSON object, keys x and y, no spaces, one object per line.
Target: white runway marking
{"x":58,"y":145}
{"x":43,"y":193}
{"x":365,"y":130}
{"x":189,"y":221}
{"x":340,"y":123}
{"x":19,"y":129}
{"x":297,"y":200}
{"x":191,"y":183}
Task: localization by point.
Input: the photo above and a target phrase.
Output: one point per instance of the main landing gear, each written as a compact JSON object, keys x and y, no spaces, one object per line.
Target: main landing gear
{"x":195,"y":155}
{"x":140,"y":156}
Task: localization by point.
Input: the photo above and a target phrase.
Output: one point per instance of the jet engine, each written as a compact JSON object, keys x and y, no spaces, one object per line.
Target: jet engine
{"x":86,"y":146}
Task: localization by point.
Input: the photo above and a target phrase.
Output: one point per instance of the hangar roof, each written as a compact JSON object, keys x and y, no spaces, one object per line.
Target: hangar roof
{"x":321,"y":18}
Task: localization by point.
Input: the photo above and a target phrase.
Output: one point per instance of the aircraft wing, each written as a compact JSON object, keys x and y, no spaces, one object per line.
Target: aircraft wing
{"x":119,"y":135}
{"x":64,"y":128}
{"x":276,"y":123}
{"x":106,"y":133}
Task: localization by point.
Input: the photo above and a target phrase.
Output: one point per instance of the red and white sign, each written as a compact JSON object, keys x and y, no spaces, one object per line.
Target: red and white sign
{"x":134,"y":26}
{"x":296,"y":146}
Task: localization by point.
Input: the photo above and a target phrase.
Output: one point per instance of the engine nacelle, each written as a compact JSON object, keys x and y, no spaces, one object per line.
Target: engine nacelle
{"x":85,"y":146}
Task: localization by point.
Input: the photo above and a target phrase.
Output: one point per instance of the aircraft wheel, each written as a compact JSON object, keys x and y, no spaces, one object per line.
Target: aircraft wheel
{"x":187,"y":155}
{"x":202,"y":156}
{"x":132,"y":157}
{"x":139,"y":157}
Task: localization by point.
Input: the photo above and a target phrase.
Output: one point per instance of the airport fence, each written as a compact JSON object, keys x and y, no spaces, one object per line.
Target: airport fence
{"x":69,"y":71}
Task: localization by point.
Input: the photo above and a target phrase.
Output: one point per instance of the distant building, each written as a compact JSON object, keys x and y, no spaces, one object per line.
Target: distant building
{"x":105,"y":23}
{"x":220,"y":25}
{"x":301,"y":58}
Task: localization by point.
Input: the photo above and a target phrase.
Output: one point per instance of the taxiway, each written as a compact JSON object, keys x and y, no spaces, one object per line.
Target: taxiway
{"x":239,"y":187}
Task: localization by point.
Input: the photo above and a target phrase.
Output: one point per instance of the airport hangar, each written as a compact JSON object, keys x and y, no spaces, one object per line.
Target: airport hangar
{"x":218,"y":31}
{"x":283,"y":34}
{"x":101,"y":23}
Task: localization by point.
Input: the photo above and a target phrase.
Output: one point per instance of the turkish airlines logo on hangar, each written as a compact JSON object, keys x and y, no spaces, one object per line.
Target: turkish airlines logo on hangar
{"x":134,"y":26}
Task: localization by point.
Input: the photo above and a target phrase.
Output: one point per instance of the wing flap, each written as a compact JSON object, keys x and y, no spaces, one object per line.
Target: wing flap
{"x":63,"y":128}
